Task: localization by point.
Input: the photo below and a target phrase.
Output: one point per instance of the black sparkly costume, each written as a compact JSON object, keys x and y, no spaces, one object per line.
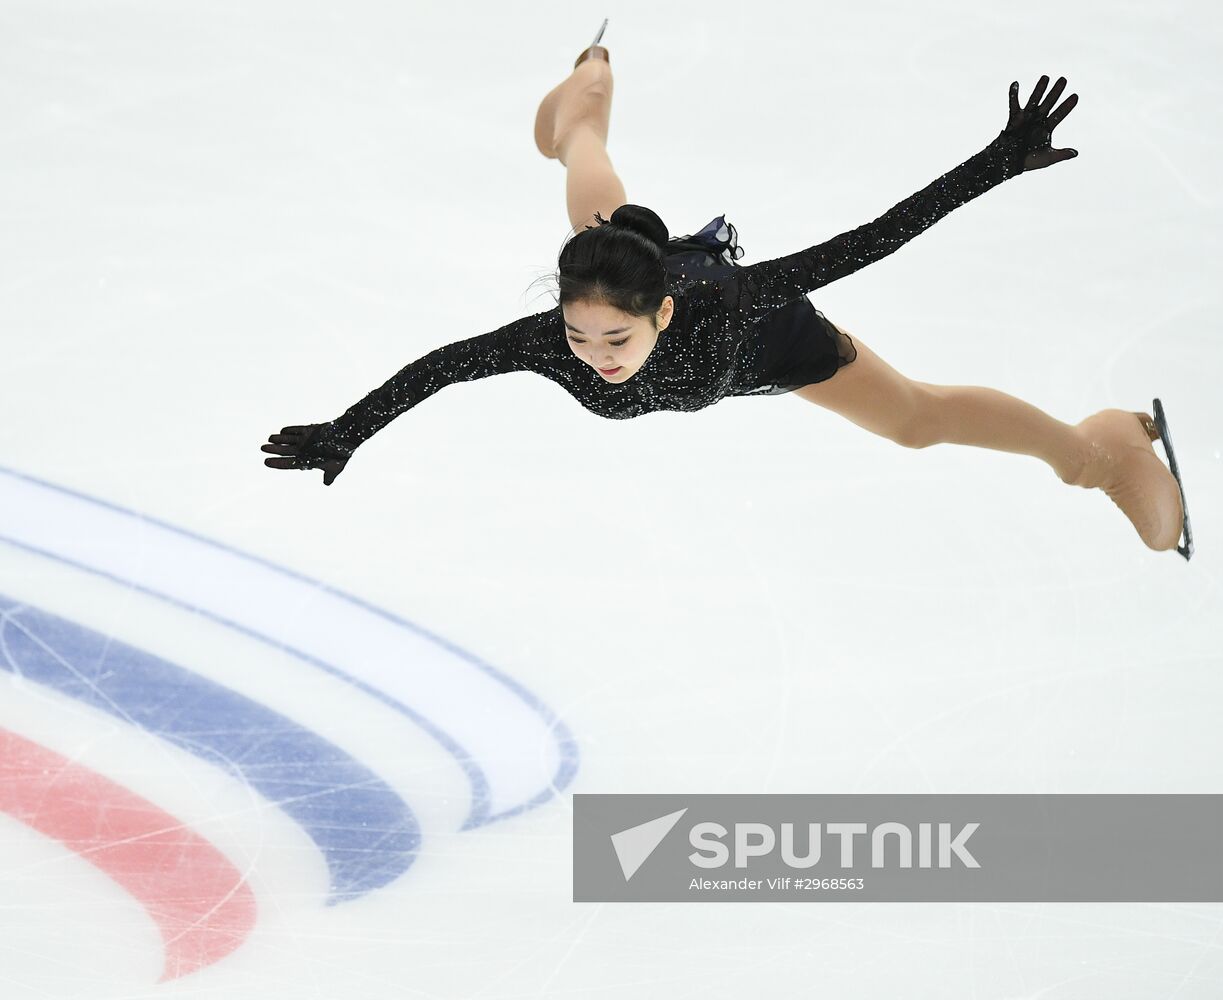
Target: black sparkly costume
{"x":735,"y":330}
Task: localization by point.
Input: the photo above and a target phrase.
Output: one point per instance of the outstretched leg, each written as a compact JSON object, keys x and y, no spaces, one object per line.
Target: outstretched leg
{"x":1109,"y":450}
{"x":875,"y":396}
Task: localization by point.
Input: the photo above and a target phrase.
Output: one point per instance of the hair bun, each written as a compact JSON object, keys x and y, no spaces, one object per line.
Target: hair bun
{"x":644,"y":221}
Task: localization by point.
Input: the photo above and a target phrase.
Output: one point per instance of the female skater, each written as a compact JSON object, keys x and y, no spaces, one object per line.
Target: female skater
{"x":645,"y":322}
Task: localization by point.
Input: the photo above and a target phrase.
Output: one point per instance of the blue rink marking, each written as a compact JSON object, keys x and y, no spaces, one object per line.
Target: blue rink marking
{"x":480,"y":812}
{"x":367,"y":834}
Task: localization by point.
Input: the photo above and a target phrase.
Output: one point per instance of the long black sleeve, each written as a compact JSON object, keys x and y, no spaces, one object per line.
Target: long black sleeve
{"x":756,"y":289}
{"x":513,"y":347}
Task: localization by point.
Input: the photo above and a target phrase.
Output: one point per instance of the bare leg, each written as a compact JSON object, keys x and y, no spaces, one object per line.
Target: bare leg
{"x":571,"y":125}
{"x":875,"y":396}
{"x":591,"y":183}
{"x":1110,"y":450}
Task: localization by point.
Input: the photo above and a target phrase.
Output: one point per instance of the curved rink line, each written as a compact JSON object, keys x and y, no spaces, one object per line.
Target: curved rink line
{"x":367,"y":834}
{"x":514,"y":750}
{"x":200,"y":902}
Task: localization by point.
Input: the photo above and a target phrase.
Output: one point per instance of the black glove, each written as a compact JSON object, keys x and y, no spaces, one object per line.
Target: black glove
{"x":1034,"y":125}
{"x":309,"y":446}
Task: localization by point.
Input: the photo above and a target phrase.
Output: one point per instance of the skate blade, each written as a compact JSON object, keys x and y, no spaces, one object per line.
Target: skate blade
{"x":1161,"y":425}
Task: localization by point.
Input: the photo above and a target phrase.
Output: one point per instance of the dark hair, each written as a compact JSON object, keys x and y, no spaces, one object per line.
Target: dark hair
{"x":618,"y":262}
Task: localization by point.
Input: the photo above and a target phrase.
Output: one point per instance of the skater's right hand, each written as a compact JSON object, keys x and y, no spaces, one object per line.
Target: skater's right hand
{"x":308,"y":446}
{"x":1034,"y":124}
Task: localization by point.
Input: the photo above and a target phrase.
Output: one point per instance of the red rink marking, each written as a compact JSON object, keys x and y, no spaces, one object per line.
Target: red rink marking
{"x":199,"y":901}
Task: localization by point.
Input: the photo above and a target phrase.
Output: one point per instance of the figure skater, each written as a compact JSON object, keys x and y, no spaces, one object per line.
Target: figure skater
{"x":645,"y":322}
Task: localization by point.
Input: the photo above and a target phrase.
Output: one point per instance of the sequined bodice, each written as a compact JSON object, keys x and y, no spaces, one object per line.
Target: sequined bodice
{"x":713,"y":345}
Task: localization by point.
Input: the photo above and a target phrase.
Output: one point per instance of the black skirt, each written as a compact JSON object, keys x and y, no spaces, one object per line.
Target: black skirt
{"x":799,"y":345}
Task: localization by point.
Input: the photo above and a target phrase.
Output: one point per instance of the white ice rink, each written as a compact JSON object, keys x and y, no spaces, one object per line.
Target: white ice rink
{"x":263,"y":739}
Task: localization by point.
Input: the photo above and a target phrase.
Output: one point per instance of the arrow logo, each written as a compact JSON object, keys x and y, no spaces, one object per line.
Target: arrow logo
{"x":637,"y":843}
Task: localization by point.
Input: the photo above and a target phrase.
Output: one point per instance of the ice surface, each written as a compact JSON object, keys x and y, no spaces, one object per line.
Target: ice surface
{"x":262,"y":738}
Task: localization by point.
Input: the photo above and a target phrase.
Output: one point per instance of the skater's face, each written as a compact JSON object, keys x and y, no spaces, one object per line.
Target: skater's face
{"x":612,"y":342}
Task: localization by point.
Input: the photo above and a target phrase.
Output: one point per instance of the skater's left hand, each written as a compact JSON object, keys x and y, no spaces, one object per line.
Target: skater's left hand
{"x":306,"y":446}
{"x":1034,"y":124}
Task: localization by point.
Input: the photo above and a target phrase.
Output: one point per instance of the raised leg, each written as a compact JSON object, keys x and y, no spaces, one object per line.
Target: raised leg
{"x":571,"y":125}
{"x":591,"y":183}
